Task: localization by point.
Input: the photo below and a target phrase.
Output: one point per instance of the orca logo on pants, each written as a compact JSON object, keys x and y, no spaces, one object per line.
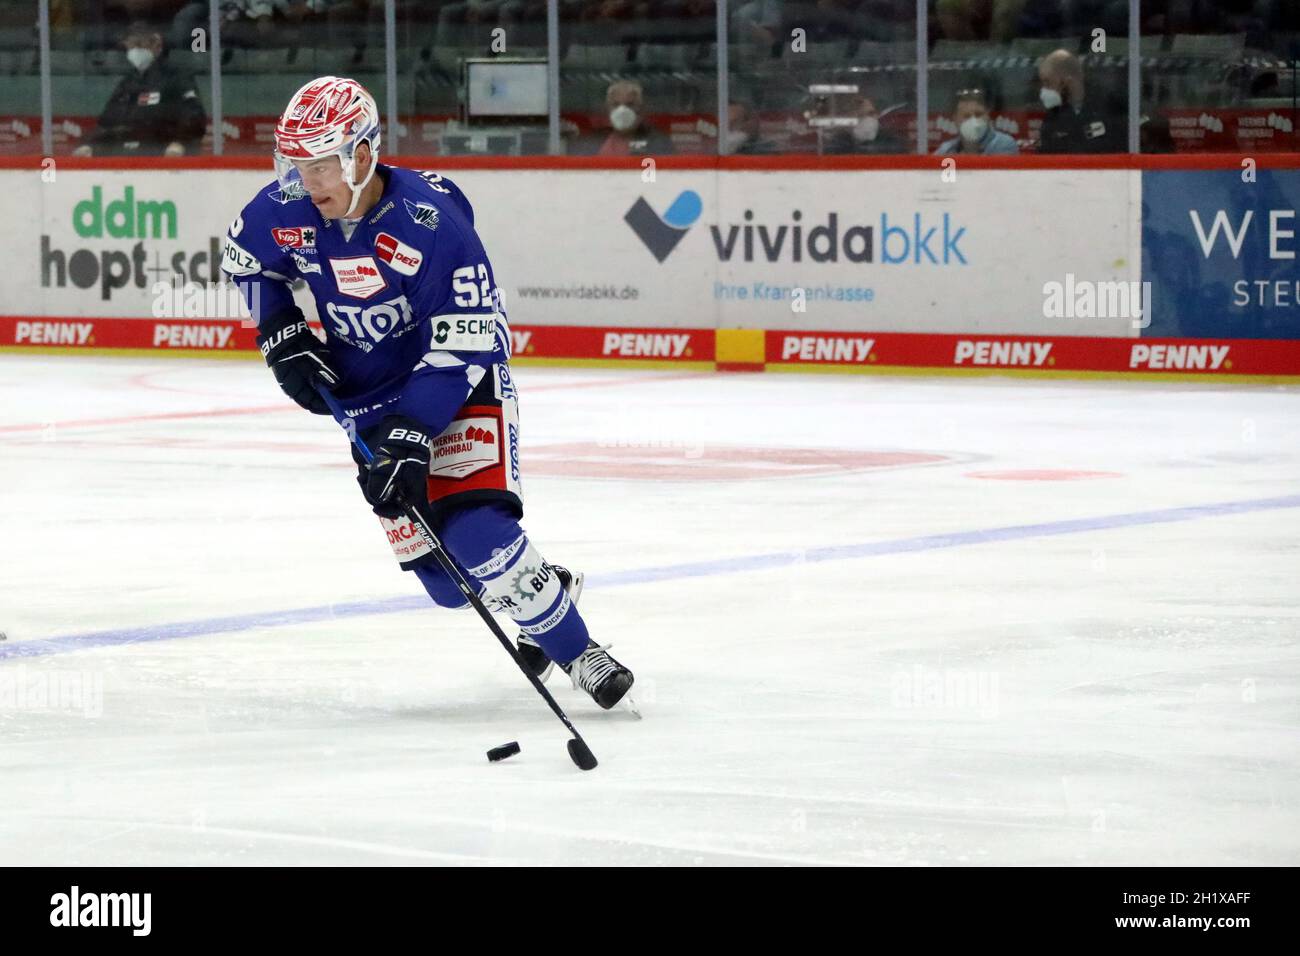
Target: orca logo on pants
{"x":661,"y":234}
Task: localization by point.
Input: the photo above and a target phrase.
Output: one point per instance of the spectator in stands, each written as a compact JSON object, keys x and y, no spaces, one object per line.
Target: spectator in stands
{"x":1073,"y":125}
{"x":866,"y":136}
{"x":745,"y":136}
{"x":517,"y":11}
{"x":469,"y":11}
{"x":975,"y":132}
{"x":996,"y":20}
{"x":629,"y":134}
{"x":829,"y":20}
{"x":886,"y":20}
{"x":154,"y":110}
{"x":757,"y":21}
{"x":252,"y":23}
{"x":687,"y":9}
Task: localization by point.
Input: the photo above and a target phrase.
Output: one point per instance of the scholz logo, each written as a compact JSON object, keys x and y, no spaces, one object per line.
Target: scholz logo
{"x":441,"y":335}
{"x":662,"y":233}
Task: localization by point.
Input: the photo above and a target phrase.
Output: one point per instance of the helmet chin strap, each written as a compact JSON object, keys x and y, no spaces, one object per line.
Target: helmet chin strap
{"x":357,"y":188}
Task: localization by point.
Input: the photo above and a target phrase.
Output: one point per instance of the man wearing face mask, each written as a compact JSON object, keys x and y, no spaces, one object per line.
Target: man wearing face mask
{"x":865,"y":137}
{"x":1071,"y":124}
{"x":975,"y":133}
{"x":630,"y":134}
{"x":153,"y":111}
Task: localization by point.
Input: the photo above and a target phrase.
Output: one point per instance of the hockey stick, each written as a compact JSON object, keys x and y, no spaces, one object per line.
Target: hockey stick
{"x":578,"y":749}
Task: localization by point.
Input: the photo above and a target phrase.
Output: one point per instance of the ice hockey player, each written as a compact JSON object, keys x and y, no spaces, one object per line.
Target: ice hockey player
{"x":417,"y":351}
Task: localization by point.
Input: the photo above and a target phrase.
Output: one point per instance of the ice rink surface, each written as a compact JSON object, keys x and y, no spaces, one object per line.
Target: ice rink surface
{"x":874,"y":620}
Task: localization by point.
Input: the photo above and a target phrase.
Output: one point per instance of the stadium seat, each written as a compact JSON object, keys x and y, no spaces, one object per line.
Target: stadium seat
{"x":17,"y":38}
{"x":965,"y":50}
{"x":99,"y":63}
{"x":673,"y":57}
{"x":825,"y":53}
{"x":582,"y":56}
{"x":1209,"y":44}
{"x":195,"y":64}
{"x":1149,"y":45}
{"x":271,"y":60}
{"x":68,"y":62}
{"x":1041,"y":46}
{"x":871,"y":52}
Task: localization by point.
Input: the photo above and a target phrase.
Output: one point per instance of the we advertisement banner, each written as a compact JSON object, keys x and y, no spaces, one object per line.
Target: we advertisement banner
{"x":892,"y":251}
{"x":1219,"y":250}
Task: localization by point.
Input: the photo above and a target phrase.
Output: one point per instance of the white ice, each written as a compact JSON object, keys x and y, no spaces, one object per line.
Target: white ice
{"x":1127,"y":693}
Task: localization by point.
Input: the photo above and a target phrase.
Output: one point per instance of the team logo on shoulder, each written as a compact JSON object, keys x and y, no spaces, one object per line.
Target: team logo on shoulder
{"x":422,"y":213}
{"x":297,"y":237}
{"x":295,"y":190}
{"x":398,"y":255}
{"x":237,"y":261}
{"x":358,"y":276}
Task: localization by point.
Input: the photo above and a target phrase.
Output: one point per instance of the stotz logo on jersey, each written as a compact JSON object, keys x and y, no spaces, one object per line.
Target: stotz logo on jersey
{"x":298,"y":237}
{"x":295,"y":190}
{"x":422,"y":213}
{"x":358,"y":276}
{"x":399,"y":256}
{"x":371,"y":324}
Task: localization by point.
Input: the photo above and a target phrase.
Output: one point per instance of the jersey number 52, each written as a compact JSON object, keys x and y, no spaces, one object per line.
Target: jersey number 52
{"x":472,"y":286}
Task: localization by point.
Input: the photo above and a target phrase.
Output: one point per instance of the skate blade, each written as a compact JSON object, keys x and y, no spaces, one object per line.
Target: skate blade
{"x":630,"y":706}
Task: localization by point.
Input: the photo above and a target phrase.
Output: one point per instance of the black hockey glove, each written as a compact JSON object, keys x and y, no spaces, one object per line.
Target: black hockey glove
{"x":400,"y":468}
{"x":298,"y":359}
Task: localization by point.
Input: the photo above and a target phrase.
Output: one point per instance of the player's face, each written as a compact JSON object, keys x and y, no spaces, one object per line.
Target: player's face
{"x":323,"y":179}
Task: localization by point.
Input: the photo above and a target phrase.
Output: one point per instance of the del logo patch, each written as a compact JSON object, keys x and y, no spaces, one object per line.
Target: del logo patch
{"x":358,"y":276}
{"x":397,"y":254}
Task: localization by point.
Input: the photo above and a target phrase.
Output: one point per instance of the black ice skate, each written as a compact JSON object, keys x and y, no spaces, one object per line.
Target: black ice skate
{"x":529,"y":649}
{"x":605,"y":679}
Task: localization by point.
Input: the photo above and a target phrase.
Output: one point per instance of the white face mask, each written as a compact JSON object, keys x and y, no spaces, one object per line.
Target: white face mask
{"x":622,"y":118}
{"x":868,"y":129}
{"x":973,"y":128}
{"x":736,"y":138}
{"x":1051,"y":99}
{"x":140,"y":58}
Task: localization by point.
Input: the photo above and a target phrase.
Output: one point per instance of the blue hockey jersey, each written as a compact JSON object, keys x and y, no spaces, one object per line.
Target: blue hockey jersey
{"x":410,"y":289}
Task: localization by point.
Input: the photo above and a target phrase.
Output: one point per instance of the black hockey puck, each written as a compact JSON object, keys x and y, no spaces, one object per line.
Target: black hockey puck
{"x":504,"y":751}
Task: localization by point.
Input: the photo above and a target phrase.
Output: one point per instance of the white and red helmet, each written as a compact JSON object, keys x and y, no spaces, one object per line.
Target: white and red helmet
{"x":328,"y":117}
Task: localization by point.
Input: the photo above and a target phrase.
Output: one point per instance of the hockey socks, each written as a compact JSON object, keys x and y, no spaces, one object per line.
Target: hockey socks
{"x":488,"y":543}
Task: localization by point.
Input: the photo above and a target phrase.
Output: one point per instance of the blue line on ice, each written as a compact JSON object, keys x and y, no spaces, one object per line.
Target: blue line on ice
{"x":737,"y":565}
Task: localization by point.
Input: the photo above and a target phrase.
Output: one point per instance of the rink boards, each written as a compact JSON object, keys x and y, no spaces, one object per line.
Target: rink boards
{"x":734,"y":349}
{"x":1010,"y":266}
